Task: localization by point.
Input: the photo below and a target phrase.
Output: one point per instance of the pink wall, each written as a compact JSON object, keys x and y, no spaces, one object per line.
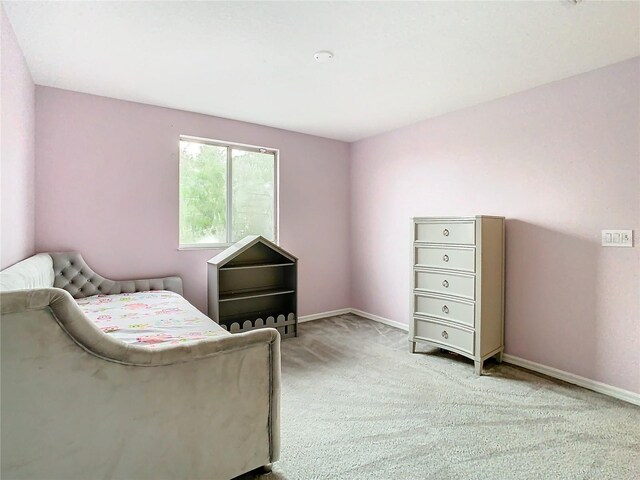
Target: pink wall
{"x":17,"y":150}
{"x":561,"y":162}
{"x":107,"y":186}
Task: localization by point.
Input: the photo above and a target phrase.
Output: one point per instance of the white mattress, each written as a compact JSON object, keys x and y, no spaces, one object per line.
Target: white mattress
{"x":149,"y":318}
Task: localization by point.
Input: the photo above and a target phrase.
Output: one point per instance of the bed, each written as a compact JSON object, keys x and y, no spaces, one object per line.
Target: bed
{"x":126,"y":379}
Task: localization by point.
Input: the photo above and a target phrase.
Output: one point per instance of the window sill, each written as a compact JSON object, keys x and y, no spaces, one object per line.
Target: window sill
{"x":205,"y":246}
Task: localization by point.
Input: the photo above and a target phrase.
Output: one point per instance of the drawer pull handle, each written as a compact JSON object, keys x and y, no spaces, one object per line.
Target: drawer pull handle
{"x":445,"y":309}
{"x":445,"y":334}
{"x":445,"y":284}
{"x":445,"y":258}
{"x":445,"y":232}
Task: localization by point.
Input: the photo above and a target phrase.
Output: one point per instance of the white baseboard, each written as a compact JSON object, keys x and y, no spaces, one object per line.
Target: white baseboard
{"x":317,"y":316}
{"x":376,"y":318}
{"x":583,"y":382}
{"x":344,"y":311}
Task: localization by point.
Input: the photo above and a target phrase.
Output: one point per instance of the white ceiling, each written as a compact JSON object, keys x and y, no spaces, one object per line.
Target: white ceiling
{"x":395,"y":62}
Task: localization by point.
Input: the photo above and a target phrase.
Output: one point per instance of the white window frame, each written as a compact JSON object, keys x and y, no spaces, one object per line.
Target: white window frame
{"x":230,"y":146}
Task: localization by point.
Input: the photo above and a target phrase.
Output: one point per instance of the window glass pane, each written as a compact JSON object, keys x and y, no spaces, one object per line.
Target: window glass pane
{"x":203,"y":193}
{"x":252,"y":204}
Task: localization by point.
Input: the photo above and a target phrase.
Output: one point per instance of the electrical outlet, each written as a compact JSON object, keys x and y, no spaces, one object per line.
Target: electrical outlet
{"x":617,"y":238}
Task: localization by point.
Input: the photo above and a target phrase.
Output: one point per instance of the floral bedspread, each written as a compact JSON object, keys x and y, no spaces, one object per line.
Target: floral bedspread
{"x":149,"y":318}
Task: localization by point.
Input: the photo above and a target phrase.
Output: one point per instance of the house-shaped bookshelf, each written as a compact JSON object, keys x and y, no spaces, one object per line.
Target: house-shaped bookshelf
{"x":253,"y":284}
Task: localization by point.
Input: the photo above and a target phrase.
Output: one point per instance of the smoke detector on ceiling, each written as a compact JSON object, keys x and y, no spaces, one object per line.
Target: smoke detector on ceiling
{"x":323,"y":56}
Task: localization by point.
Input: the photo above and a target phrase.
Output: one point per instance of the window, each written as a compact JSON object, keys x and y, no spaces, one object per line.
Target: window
{"x":227,"y":191}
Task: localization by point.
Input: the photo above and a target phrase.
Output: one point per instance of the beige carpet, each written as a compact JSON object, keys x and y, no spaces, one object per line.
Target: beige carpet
{"x":357,"y":405}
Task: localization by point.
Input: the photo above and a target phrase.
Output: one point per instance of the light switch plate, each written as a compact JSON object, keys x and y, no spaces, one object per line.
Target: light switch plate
{"x":617,"y":238}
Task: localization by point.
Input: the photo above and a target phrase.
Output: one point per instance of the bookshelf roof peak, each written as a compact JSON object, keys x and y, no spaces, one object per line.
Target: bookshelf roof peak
{"x":245,"y":244}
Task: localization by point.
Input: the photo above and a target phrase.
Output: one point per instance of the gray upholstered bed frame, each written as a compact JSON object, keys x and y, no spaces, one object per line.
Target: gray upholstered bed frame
{"x":71,"y":273}
{"x":77,"y":404}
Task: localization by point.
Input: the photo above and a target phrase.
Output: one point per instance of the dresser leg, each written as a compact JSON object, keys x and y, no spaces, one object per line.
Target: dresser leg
{"x":412,"y":347}
{"x":478,"y":367}
{"x":499,"y":357}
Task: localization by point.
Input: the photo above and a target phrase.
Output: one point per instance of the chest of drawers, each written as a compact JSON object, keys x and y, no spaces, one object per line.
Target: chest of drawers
{"x":457,"y":285}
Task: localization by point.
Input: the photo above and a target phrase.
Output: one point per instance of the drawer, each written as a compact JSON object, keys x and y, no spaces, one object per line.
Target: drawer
{"x":457,"y":311}
{"x":446,"y":283}
{"x":463,"y":233}
{"x":444,"y":334}
{"x":462,"y":259}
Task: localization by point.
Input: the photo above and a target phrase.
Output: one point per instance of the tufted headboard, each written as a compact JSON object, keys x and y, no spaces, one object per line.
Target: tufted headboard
{"x":70,"y":272}
{"x":76,"y":277}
